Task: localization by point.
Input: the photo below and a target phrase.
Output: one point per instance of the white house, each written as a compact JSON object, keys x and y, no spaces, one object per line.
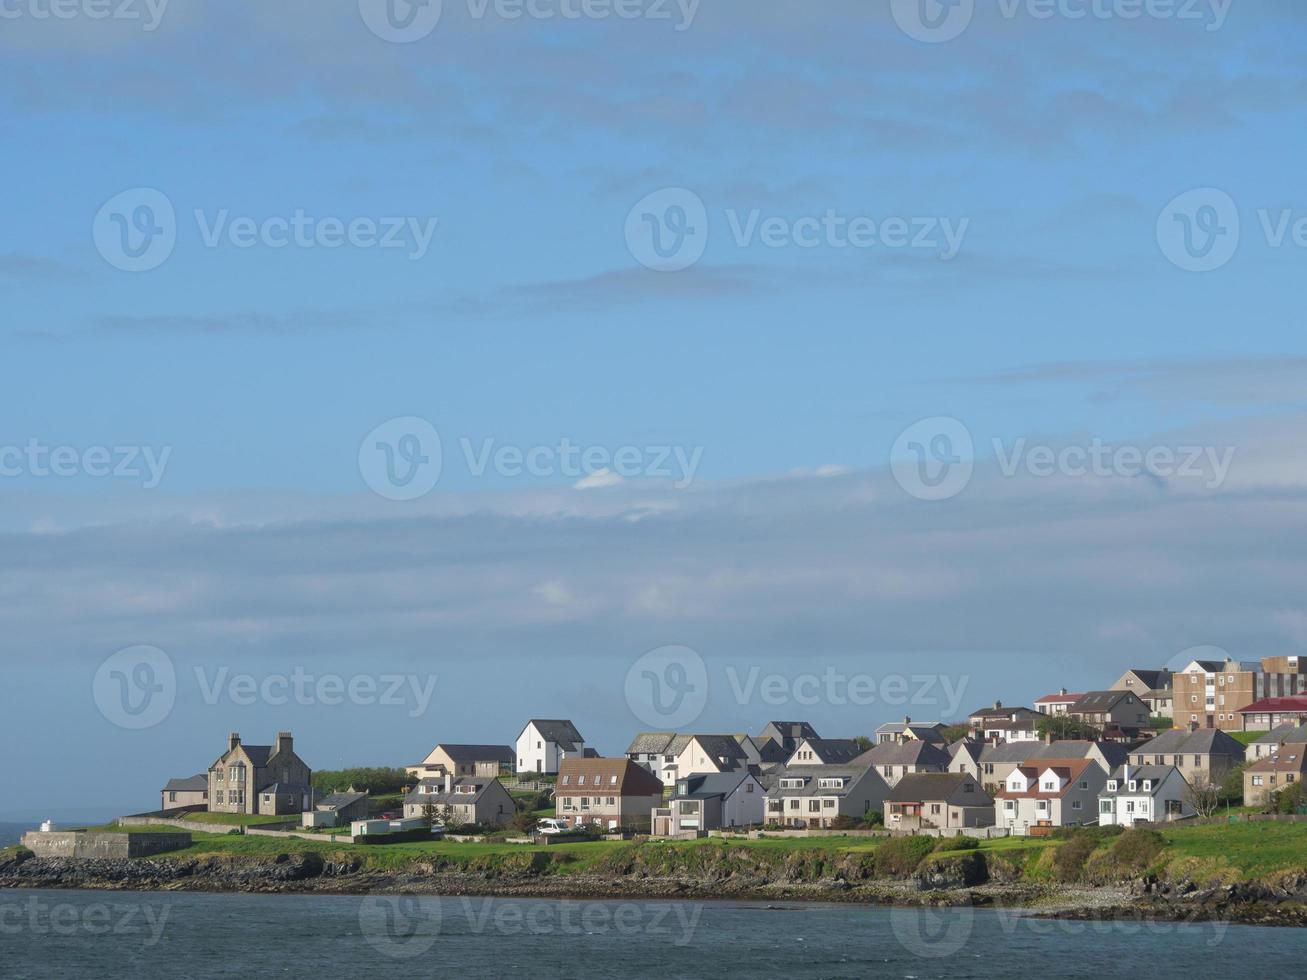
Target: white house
{"x":545,"y":743}
{"x":1147,"y":794}
{"x":1050,"y":793}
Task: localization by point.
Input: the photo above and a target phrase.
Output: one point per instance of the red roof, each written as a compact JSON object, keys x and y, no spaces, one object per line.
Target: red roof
{"x":1266,"y":705}
{"x":1068,"y":769}
{"x":1052,"y":698}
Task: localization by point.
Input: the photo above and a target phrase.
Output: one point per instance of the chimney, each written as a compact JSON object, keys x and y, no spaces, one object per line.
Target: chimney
{"x":284,"y":742}
{"x":1063,"y":692}
{"x":1048,"y":735}
{"x":997,"y":705}
{"x":233,"y":740}
{"x":1125,"y":774}
{"x":1193,"y":726}
{"x":906,"y":721}
{"x":449,"y":783}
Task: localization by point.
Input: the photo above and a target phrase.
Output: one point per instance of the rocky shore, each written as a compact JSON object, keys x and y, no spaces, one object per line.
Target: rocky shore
{"x":1283,"y":903}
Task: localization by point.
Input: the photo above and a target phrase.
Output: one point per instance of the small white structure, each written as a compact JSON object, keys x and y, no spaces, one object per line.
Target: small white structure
{"x":545,"y":743}
{"x":1144,"y":794}
{"x":48,"y":827}
{"x":318,"y":818}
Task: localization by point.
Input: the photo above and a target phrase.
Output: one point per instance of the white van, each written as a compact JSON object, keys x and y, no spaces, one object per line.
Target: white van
{"x":551,"y":825}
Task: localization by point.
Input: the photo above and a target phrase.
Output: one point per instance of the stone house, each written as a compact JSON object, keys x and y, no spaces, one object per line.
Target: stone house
{"x":260,"y":779}
{"x":191,"y":791}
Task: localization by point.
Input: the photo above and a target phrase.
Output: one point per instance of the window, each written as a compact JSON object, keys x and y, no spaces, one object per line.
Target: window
{"x":612,"y":780}
{"x":1111,"y":785}
{"x":934,"y":808}
{"x":1133,"y":785}
{"x":172,"y":797}
{"x":1129,"y":806}
{"x":1075,"y":804}
{"x":794,"y":804}
{"x":1257,"y":781}
{"x":568,"y":779}
{"x":1084,"y":784}
{"x":1009,"y":805}
{"x":748,"y":787}
{"x":612,"y":801}
{"x":828,"y":804}
{"x":220,"y":793}
{"x":1104,"y":806}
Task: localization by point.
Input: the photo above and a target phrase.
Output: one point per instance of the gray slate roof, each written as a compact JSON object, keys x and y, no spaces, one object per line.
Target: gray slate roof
{"x":436,"y":790}
{"x":721,"y":747}
{"x":650,"y":743}
{"x":478,"y":753}
{"x":286,"y":789}
{"x":1157,"y":774}
{"x":1153,"y":679}
{"x":706,"y":785}
{"x":832,"y":750}
{"x":913,"y":753}
{"x":1098,"y":701}
{"x":921,"y":786}
{"x":338,"y":801}
{"x":558,"y":730}
{"x":1290,"y":734}
{"x":191,"y":784}
{"x":811,"y":775}
{"x":1180,"y":741}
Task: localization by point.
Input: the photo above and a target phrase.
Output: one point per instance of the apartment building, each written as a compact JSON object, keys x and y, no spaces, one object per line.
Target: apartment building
{"x":1211,"y":693}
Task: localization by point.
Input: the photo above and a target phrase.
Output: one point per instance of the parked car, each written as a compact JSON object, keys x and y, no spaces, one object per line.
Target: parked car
{"x":551,"y":825}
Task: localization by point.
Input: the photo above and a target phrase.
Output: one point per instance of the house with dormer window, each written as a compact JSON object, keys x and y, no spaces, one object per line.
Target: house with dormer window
{"x":813,"y":796}
{"x":609,"y":793}
{"x":1046,"y":793}
{"x":260,"y":779}
{"x":1143,"y":794}
{"x":943,"y":800}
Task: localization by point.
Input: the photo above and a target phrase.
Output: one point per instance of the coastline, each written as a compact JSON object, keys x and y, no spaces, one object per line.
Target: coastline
{"x":1251,"y":903}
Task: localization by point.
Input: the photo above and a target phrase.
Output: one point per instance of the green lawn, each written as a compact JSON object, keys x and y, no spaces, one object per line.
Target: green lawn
{"x":1251,"y":849}
{"x":1246,"y":738}
{"x":239,"y":819}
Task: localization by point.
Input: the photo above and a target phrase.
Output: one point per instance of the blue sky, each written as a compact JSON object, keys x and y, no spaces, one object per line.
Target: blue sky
{"x":786,"y":372}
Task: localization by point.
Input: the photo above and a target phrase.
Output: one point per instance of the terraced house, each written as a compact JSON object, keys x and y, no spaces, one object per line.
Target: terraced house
{"x":1202,"y":756}
{"x":260,"y":779}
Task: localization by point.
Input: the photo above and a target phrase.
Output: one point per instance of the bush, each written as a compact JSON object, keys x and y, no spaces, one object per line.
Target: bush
{"x":957,"y":844}
{"x":1069,"y":857}
{"x":1289,"y":799}
{"x":844,"y":822}
{"x":899,"y":856}
{"x":1136,"y":849}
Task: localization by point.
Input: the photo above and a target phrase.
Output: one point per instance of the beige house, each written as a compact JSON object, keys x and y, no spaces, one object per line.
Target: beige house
{"x":1270,"y":743}
{"x":260,"y":779}
{"x":942,"y":800}
{"x":613,"y":793}
{"x":813,"y":796}
{"x":453,"y":800}
{"x":191,"y":791}
{"x":1202,"y":756}
{"x":1116,"y":714}
{"x":1270,"y":775}
{"x":464,"y":760}
{"x":824,"y":752}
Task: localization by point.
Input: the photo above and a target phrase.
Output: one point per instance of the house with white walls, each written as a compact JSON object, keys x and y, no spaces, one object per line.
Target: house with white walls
{"x":544,"y":743}
{"x":1143,"y":794}
{"x":1047,"y":793}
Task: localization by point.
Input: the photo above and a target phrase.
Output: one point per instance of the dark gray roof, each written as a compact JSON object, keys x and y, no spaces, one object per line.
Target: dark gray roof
{"x":258,"y":754}
{"x":1180,"y":741}
{"x":1290,"y":733}
{"x":191,"y":784}
{"x":650,"y":743}
{"x":970,"y":746}
{"x":1078,"y":748}
{"x":1010,"y":752}
{"x":558,"y":730}
{"x":811,"y":776}
{"x":1099,"y":701}
{"x":435,"y":790}
{"x":338,"y":801}
{"x":832,"y":750}
{"x":705,"y":785}
{"x":1157,"y":774}
{"x":478,"y":753}
{"x":796,"y":730}
{"x":914,"y":753}
{"x":919,"y":786}
{"x":721,"y":747}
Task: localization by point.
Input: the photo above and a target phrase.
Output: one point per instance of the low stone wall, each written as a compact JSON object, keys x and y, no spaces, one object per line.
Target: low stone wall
{"x":89,"y":844}
{"x":143,"y":820}
{"x":301,"y":834}
{"x":980,"y":833}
